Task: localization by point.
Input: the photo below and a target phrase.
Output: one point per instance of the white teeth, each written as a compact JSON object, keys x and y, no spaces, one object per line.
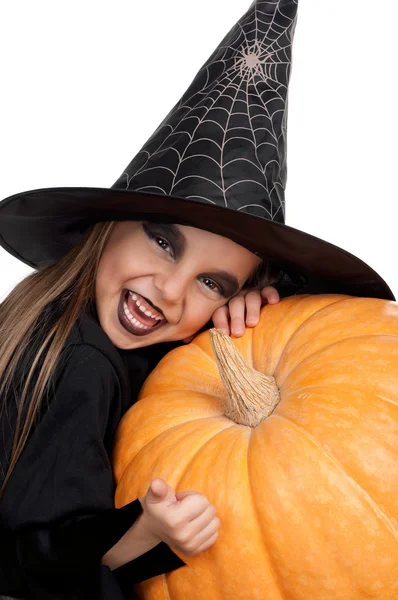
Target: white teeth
{"x":132,"y":319}
{"x":136,"y":322}
{"x":142,"y":308}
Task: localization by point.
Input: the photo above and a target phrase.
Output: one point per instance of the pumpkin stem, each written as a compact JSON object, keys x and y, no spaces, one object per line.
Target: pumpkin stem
{"x":252,"y":395}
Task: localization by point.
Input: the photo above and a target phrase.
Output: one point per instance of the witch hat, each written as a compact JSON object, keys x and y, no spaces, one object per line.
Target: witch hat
{"x":216,"y":162}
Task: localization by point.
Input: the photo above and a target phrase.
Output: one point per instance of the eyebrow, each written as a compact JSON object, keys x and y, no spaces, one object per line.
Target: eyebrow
{"x":228,"y":281}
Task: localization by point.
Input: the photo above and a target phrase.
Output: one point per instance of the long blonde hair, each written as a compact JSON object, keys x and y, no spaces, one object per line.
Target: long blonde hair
{"x":69,"y":286}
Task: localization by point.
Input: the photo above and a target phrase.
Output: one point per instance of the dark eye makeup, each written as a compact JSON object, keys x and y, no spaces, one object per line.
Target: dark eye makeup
{"x":172,"y":236}
{"x":165,"y":233}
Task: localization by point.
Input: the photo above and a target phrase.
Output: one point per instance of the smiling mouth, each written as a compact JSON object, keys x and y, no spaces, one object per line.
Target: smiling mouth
{"x":137,"y":316}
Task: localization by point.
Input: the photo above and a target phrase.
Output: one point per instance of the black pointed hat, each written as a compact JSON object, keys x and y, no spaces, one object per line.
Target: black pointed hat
{"x":216,"y":162}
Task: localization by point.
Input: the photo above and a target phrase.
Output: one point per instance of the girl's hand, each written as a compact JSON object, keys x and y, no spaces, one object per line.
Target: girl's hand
{"x":231,"y":317}
{"x":186,"y":521}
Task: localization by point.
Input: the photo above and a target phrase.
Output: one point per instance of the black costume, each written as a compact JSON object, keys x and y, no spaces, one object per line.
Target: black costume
{"x":56,"y":516}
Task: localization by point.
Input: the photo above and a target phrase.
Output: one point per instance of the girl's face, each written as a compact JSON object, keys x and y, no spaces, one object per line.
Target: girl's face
{"x":159,"y":283}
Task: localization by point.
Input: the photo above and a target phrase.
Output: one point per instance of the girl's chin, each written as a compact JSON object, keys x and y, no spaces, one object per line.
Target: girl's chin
{"x":128,"y":341}
{"x":125,"y":340}
{"x":133,"y":342}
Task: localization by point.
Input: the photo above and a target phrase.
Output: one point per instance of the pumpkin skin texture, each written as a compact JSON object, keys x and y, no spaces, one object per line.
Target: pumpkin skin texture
{"x":308,"y":498}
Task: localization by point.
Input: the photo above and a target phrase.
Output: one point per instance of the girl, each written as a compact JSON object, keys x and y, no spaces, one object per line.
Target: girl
{"x":124,"y":286}
{"x":191,"y":231}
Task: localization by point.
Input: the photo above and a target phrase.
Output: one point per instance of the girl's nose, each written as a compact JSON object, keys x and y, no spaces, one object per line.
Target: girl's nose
{"x":172,"y":287}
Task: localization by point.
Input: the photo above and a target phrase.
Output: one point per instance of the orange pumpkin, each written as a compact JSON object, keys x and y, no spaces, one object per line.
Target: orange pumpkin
{"x":307,"y":496}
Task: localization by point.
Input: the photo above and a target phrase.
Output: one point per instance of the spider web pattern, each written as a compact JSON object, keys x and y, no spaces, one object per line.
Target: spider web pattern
{"x":225,"y":141}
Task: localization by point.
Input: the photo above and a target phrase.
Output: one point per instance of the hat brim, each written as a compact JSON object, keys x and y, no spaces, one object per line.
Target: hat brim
{"x":40,"y":226}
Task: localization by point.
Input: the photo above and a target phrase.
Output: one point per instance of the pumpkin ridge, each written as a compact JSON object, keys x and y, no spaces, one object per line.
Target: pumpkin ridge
{"x":183,"y":393}
{"x":181,"y":425}
{"x":201,"y":350}
{"x":384,"y":517}
{"x":278,"y":579}
{"x":200,"y":450}
{"x":336,"y":343}
{"x":166,"y":434}
{"x":346,"y":385}
{"x":165,"y":587}
{"x":319,"y":310}
{"x":307,"y":318}
{"x":175,"y":354}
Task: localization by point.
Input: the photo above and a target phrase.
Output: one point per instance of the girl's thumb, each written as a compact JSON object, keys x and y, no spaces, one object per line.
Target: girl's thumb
{"x":158,"y":491}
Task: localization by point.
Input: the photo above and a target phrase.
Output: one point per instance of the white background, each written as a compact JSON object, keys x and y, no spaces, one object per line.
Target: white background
{"x":84,"y":83}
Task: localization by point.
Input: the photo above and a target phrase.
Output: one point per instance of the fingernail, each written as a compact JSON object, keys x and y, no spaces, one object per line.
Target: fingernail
{"x":238,"y":332}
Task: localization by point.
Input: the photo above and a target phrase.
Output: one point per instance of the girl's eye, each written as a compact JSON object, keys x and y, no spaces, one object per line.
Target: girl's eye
{"x":212,"y":285}
{"x":164,"y":244}
{"x":158,"y":239}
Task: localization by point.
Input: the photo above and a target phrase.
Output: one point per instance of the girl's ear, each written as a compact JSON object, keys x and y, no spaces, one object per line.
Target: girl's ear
{"x":187,"y":340}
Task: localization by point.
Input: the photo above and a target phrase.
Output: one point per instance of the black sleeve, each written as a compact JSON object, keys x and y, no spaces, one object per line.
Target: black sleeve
{"x":59,"y":503}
